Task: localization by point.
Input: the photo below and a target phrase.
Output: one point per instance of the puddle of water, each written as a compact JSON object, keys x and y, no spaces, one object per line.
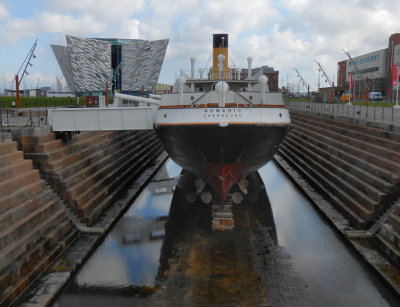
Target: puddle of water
{"x":333,"y":273}
{"x":128,"y":259}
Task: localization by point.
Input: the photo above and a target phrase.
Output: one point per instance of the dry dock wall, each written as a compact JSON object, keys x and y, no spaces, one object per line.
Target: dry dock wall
{"x":355,"y":167}
{"x":34,"y":229}
{"x":39,"y":172}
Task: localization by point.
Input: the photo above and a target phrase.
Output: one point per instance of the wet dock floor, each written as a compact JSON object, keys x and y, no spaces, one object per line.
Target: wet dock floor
{"x":281,"y":253}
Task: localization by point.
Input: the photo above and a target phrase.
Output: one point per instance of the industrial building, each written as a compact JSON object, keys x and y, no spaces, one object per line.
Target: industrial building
{"x":130,"y":66}
{"x":373,"y":67}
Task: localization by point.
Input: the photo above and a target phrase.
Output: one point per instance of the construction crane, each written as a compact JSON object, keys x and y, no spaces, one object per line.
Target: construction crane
{"x":331,"y":83}
{"x":26,"y":62}
{"x":303,"y":81}
{"x":325,"y":75}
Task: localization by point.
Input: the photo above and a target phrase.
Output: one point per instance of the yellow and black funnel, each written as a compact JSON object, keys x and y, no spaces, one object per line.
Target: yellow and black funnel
{"x":220,"y":46}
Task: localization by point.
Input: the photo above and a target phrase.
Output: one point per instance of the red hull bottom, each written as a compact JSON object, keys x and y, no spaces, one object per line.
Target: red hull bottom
{"x":223,"y":178}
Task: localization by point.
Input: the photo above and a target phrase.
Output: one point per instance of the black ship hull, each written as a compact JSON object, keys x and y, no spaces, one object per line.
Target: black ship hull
{"x":222,"y":156}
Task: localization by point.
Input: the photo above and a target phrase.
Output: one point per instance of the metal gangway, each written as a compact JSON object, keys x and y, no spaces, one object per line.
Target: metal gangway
{"x":128,"y":113}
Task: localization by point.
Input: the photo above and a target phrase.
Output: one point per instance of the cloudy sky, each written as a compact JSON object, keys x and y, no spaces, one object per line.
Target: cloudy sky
{"x":283,"y":34}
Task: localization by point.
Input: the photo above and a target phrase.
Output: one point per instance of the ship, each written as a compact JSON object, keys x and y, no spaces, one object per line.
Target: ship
{"x":221,"y":125}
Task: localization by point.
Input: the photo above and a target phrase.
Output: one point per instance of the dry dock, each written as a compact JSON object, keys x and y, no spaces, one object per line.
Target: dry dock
{"x":281,"y":253}
{"x":60,"y":200}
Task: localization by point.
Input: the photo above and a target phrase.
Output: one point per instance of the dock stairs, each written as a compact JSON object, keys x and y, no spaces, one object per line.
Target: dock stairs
{"x":34,"y":229}
{"x":355,"y":167}
{"x":91,"y":169}
{"x":53,"y":189}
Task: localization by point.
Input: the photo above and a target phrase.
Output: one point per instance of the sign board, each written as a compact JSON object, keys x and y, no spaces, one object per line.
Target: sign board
{"x":394,"y":75}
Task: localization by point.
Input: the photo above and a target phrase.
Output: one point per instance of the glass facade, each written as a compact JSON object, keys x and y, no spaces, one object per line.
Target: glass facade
{"x":363,"y":71}
{"x":365,"y":60}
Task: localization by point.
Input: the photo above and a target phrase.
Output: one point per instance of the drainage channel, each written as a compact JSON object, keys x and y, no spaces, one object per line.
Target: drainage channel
{"x":281,"y":253}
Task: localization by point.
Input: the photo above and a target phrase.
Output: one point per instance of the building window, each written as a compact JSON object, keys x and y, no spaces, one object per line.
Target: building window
{"x":363,"y":71}
{"x":366,"y":60}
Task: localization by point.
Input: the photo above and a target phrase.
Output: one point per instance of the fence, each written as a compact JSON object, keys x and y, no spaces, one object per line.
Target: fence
{"x":26,"y":118}
{"x":384,"y":115}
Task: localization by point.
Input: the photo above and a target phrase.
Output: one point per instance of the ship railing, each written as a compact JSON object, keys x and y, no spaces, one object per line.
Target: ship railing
{"x":240,"y":100}
{"x":247,"y":103}
{"x":199,"y":99}
{"x":227,"y":74}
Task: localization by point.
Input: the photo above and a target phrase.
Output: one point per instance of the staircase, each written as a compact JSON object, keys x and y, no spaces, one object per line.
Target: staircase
{"x":91,"y":169}
{"x":388,"y":237}
{"x":34,"y":230}
{"x":357,"y":168}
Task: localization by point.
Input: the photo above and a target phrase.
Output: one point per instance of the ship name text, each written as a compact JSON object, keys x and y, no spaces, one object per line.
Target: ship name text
{"x":223,"y":113}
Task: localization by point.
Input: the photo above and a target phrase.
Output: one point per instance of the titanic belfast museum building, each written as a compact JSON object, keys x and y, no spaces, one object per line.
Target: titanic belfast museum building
{"x":126,"y":65}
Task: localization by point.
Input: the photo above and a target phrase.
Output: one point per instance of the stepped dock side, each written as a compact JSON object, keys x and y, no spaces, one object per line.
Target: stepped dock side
{"x":357,"y":168}
{"x":34,"y":229}
{"x":91,"y":169}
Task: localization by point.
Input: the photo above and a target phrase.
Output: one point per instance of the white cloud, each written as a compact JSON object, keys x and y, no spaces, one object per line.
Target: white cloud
{"x":80,"y":25}
{"x":105,"y":10}
{"x":16,"y":28}
{"x":3,"y":11}
{"x":130,"y":29}
{"x":283,"y":34}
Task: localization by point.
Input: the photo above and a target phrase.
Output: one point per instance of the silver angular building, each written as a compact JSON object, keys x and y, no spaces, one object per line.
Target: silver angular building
{"x":127,"y":65}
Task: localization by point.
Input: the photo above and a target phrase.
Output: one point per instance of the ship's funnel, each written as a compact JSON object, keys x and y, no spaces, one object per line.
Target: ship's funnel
{"x":220,"y":46}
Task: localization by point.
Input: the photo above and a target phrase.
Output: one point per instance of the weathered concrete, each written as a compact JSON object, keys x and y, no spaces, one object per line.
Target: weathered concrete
{"x":90,"y":169}
{"x":364,"y":244}
{"x":45,"y":289}
{"x":357,"y":169}
{"x":33,"y":227}
{"x":88,"y":172}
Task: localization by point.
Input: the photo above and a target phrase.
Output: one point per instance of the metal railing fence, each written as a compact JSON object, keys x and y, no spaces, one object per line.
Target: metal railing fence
{"x":384,"y":115}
